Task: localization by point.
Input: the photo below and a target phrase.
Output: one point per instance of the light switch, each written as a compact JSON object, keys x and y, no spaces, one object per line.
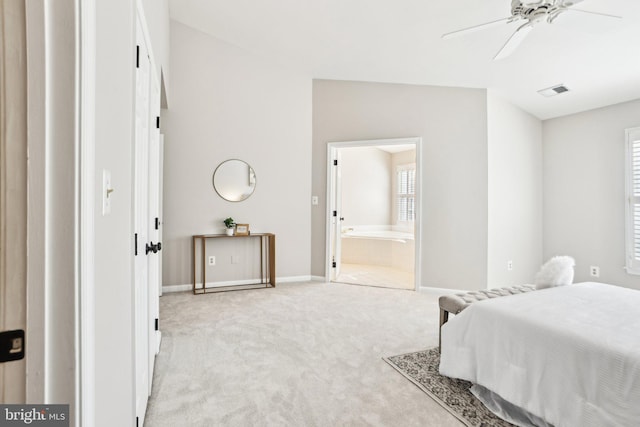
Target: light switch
{"x":314,"y":200}
{"x":106,"y":192}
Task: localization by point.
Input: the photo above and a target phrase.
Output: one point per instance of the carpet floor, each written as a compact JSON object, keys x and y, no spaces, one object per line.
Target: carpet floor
{"x":303,"y":354}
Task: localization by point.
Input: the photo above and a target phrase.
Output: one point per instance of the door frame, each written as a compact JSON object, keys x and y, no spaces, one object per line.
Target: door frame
{"x":332,"y":185}
{"x":59,"y":274}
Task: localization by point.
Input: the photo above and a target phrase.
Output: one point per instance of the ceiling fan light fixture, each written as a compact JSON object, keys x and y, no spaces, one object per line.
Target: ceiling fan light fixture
{"x":553,"y":90}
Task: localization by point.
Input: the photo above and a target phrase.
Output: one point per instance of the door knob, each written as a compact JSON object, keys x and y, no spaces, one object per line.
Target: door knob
{"x":151,"y":248}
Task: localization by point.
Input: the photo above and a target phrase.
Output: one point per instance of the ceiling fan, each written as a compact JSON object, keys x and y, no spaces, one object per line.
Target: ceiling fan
{"x":531,"y":13}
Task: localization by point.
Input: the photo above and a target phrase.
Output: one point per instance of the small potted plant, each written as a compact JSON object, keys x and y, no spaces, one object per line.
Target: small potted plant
{"x":229,"y":224}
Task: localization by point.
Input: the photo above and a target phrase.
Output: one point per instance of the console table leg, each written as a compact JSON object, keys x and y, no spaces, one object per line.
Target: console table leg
{"x":262,"y":272}
{"x":193,"y":253}
{"x":204,"y":266}
{"x":272,"y":260}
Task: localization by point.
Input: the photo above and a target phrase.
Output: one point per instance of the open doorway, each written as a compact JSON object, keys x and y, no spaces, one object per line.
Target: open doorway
{"x":374,"y":203}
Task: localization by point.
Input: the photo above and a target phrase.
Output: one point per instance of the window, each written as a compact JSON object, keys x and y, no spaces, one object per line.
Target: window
{"x":406,"y":202}
{"x":633,"y":201}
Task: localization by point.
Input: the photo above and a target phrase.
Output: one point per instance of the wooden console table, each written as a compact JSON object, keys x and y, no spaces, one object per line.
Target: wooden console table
{"x":267,"y":262}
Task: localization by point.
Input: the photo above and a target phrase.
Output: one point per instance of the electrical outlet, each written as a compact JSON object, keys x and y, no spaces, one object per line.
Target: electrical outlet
{"x":212,"y":260}
{"x":509,"y":265}
{"x":594,"y":271}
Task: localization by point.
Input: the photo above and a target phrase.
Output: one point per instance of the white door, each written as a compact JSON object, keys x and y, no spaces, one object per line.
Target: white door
{"x":160,"y":212}
{"x":335,"y":213}
{"x":141,"y":227}
{"x":154,"y":225}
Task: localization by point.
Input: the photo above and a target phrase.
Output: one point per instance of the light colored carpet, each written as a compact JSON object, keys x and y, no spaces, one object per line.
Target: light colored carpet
{"x":304,"y":354}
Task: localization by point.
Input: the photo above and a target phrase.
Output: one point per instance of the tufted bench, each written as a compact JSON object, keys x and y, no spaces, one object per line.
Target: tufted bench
{"x":455,"y":303}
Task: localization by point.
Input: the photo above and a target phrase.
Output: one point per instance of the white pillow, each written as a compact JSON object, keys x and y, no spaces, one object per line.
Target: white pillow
{"x":558,"y":271}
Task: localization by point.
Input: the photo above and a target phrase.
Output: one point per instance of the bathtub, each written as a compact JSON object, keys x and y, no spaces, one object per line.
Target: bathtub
{"x":371,"y":246}
{"x":398,"y":236}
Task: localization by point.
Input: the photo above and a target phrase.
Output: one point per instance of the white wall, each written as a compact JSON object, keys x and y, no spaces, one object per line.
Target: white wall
{"x":227,"y":103}
{"x":453,"y":125}
{"x":156,"y":14}
{"x":584,"y":190}
{"x":366,"y":186}
{"x":515,"y":193}
{"x":114,"y":121}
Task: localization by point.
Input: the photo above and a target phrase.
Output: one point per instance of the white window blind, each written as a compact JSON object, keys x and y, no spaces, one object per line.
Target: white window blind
{"x":633,"y":201}
{"x":406,"y":197}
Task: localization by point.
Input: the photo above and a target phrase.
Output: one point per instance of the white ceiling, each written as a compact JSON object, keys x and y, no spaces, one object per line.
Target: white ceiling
{"x":399,"y":41}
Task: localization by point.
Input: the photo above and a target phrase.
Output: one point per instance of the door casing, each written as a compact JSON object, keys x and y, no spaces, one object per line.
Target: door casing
{"x":333,"y":187}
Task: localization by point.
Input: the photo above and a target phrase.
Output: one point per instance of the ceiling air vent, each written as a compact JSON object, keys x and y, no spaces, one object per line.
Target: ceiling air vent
{"x":553,"y":91}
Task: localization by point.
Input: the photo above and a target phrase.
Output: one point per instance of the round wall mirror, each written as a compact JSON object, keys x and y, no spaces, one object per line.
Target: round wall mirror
{"x":234,"y":180}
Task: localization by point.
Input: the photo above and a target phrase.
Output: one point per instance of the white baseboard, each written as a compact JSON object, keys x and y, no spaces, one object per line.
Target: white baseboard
{"x":189,"y":287}
{"x":319,"y":279}
{"x":292,"y":279}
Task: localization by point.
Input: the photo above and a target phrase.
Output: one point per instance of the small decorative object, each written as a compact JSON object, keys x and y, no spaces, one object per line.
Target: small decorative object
{"x":242,"y":229}
{"x":558,"y":271}
{"x":229,"y":224}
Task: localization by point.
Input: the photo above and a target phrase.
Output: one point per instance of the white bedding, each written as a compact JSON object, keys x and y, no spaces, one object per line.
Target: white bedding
{"x":570,"y":354}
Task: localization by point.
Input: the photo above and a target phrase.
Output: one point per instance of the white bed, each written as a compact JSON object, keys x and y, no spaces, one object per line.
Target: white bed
{"x":569,"y":355}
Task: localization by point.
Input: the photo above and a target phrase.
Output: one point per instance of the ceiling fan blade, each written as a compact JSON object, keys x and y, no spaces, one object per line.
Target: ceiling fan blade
{"x":514,"y":41}
{"x":606,"y":15}
{"x":475,"y":28}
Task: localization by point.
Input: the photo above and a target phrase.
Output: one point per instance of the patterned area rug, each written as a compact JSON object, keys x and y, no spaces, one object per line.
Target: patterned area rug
{"x":454,"y":395}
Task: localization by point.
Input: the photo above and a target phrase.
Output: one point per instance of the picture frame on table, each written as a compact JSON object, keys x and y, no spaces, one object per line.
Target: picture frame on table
{"x":242,"y":230}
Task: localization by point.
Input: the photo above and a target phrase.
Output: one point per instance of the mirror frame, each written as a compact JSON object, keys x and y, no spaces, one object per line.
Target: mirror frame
{"x":252,"y":176}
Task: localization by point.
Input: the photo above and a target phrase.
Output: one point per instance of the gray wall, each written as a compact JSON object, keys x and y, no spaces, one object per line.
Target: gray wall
{"x":227,"y":103}
{"x":13,"y":193}
{"x":584,"y":190}
{"x":515,"y":194}
{"x":453,"y":125}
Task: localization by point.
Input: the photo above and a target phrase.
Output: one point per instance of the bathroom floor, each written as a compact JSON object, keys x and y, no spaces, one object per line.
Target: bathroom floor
{"x":375,"y":275}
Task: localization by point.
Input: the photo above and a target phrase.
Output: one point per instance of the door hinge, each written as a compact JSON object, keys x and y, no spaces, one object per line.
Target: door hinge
{"x":135,"y":244}
{"x":157,"y":324}
{"x":335,"y":163}
{"x":335,"y":213}
{"x":137,"y":56}
{"x":157,"y":223}
{"x":334,"y":264}
{"x":158,"y":122}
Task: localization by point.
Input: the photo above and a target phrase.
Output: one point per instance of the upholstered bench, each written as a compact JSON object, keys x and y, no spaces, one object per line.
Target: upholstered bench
{"x":455,"y":303}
